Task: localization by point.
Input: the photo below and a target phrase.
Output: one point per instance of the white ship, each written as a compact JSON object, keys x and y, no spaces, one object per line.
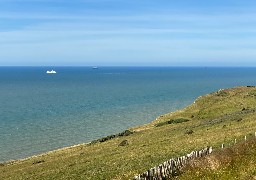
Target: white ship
{"x":51,"y":72}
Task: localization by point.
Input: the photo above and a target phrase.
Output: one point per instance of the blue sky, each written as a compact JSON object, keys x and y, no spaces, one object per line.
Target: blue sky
{"x":128,"y":33}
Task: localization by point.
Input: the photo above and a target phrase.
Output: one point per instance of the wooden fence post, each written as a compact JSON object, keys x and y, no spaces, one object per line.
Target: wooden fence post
{"x":210,"y":150}
{"x":171,"y":167}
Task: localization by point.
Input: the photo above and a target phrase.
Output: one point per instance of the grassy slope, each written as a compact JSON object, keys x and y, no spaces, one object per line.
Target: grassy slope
{"x":215,"y":118}
{"x":235,"y":162}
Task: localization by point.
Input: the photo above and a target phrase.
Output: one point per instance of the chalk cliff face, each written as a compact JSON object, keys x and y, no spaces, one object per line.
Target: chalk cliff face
{"x":213,"y":119}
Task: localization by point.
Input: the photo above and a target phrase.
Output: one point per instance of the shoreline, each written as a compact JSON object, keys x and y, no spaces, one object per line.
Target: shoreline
{"x":213,"y":120}
{"x":162,"y":98}
{"x":132,"y":130}
{"x":77,"y":145}
{"x":43,"y":153}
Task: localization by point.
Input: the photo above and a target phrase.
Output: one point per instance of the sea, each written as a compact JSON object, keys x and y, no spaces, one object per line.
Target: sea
{"x":40,"y":112}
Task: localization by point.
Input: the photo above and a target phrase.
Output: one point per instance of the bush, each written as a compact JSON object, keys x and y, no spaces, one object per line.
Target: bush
{"x":112,"y":136}
{"x":172,"y":121}
{"x":189,"y":131}
{"x":161,"y":124}
{"x":38,"y":161}
{"x":180,"y":120}
{"x":222,"y":93}
{"x":124,"y":143}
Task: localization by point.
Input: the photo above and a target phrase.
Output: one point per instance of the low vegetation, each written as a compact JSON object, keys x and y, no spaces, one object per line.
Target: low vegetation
{"x":124,"y":133}
{"x":172,"y":121}
{"x":234,"y":162}
{"x":213,"y":119}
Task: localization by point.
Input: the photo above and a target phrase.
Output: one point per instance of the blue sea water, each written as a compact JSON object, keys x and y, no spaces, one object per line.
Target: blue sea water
{"x":42,"y":112}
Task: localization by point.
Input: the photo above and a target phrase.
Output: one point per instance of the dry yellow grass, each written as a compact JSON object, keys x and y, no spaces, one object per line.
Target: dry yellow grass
{"x":234,"y":162}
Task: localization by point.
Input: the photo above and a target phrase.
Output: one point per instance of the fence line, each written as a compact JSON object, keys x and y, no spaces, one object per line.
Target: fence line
{"x":172,"y":167}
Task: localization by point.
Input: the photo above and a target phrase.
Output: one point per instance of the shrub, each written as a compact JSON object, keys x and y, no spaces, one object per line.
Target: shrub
{"x":112,"y":136}
{"x":180,"y":120}
{"x":172,"y":121}
{"x":189,"y":131}
{"x":222,"y":93}
{"x":38,"y":161}
{"x":124,"y":143}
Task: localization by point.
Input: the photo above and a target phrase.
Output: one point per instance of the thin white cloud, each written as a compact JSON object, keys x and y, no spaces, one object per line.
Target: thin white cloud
{"x":87,"y":52}
{"x":175,"y":17}
{"x":75,"y":26}
{"x":95,"y":35}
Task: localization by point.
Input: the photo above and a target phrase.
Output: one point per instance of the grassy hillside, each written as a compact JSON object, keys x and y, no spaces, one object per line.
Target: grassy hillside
{"x":211,"y":120}
{"x":235,"y":162}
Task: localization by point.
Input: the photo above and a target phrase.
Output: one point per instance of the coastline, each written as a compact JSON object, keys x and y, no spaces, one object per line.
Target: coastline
{"x":72,"y":147}
{"x":44,"y":153}
{"x":61,"y":121}
{"x":214,"y":119}
{"x":132,"y":129}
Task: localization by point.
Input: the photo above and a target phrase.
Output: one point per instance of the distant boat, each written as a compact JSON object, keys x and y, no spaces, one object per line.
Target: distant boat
{"x":51,"y":72}
{"x":95,"y":67}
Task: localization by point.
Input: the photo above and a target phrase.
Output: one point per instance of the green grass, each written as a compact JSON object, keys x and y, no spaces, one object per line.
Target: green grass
{"x":215,"y":118}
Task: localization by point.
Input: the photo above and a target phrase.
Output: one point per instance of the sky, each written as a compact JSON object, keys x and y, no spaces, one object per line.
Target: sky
{"x":127,"y":33}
